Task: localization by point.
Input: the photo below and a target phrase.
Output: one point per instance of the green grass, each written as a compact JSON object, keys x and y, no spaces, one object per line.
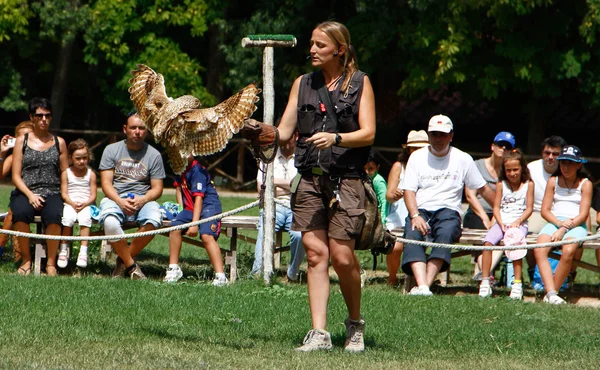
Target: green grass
{"x":96,"y":322}
{"x":102,"y":323}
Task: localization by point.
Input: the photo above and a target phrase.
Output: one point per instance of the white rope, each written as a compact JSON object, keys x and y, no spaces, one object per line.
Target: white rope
{"x":132,"y":235}
{"x":496,"y":247}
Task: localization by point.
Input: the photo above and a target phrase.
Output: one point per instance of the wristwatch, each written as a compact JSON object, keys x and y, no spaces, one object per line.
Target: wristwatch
{"x":414,"y":216}
{"x":338,"y":139}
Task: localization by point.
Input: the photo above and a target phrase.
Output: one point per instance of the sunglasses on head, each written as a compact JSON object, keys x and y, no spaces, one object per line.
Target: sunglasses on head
{"x":42,"y":115}
{"x":504,"y":144}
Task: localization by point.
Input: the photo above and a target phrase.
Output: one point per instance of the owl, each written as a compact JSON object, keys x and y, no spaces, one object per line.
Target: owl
{"x":180,"y":125}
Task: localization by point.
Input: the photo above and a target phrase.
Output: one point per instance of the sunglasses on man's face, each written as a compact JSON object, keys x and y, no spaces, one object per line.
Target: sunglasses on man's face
{"x":504,"y":144}
{"x":42,"y":115}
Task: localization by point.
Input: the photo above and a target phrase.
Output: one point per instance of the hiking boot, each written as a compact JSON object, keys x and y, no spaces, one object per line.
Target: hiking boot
{"x":119,"y":271}
{"x":485,"y":290}
{"x":316,"y":340}
{"x":173,"y":275}
{"x":136,"y":273}
{"x":554,"y":299}
{"x":220,"y":280}
{"x":516,"y":291}
{"x":355,"y":341}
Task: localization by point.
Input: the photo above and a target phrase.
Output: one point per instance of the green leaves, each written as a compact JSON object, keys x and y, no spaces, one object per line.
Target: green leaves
{"x":14,"y":18}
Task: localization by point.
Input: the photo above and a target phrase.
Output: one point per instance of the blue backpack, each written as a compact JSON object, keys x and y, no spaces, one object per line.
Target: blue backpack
{"x":537,"y":282}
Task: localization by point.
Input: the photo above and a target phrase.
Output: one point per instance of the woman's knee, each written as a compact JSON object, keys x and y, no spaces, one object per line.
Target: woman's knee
{"x":316,"y":257}
{"x":343,"y":261}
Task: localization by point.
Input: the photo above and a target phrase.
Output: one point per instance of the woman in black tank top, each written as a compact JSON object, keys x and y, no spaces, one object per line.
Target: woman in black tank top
{"x":38,"y":160}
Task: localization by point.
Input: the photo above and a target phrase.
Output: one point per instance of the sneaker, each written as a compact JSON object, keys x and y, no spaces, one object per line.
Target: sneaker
{"x":136,"y":273}
{"x":554,"y":299}
{"x":173,"y":275}
{"x":516,"y":292}
{"x":485,"y":290}
{"x":63,"y":258}
{"x":477,"y":276}
{"x":82,"y":260}
{"x":423,"y":291}
{"x":363,"y":278}
{"x":316,"y":340}
{"x":220,"y":281}
{"x":355,"y":335}
{"x":119,"y":270}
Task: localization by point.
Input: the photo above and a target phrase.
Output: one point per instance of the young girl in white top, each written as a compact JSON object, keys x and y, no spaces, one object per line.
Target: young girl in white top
{"x":512,"y":207}
{"x":397,"y":211}
{"x":566,"y":206}
{"x":78,"y":189}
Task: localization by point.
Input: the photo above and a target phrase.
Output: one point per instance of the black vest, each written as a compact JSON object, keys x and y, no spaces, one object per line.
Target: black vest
{"x":335,"y":160}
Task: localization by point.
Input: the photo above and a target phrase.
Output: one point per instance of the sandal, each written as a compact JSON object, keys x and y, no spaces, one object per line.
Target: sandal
{"x":63,"y":258}
{"x":24,"y":271}
{"x":50,"y":270}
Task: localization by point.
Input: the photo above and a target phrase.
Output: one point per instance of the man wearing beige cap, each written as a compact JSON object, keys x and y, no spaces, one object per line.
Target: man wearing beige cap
{"x":435,"y":178}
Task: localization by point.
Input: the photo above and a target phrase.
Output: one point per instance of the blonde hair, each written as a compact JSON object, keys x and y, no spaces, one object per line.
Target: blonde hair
{"x":339,"y":34}
{"x":23,"y":125}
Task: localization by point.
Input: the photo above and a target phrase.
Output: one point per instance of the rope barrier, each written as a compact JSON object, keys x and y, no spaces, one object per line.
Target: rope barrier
{"x":287,"y":204}
{"x":496,"y":247}
{"x":133,"y":235}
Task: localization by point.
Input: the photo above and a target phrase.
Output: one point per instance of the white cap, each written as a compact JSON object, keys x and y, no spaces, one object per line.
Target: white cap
{"x":440,"y":123}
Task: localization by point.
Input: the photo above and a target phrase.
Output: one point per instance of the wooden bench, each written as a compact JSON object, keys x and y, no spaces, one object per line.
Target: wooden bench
{"x":476,"y":237}
{"x":230,"y":225}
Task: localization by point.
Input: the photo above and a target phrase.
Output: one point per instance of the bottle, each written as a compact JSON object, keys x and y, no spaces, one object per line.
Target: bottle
{"x":510,"y":274}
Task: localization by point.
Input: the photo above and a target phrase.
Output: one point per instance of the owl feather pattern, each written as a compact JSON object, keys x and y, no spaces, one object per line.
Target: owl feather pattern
{"x":181,"y":125}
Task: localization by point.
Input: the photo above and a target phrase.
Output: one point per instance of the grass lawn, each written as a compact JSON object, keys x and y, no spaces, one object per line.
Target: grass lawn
{"x":96,"y":322}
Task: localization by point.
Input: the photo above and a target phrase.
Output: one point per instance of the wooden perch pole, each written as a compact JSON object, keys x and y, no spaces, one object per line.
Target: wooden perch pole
{"x":267,"y":42}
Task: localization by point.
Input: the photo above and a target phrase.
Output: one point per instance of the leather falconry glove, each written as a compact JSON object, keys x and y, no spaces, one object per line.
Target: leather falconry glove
{"x":264,"y":139}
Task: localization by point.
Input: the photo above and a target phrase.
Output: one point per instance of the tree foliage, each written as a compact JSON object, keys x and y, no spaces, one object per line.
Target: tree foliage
{"x":528,"y":52}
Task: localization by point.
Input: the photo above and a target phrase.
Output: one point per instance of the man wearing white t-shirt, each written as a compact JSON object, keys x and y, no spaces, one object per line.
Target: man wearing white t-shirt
{"x":433,"y":185}
{"x":540,"y":171}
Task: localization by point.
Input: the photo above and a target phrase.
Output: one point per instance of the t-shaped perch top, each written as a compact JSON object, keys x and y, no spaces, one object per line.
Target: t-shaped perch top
{"x":269,"y":40}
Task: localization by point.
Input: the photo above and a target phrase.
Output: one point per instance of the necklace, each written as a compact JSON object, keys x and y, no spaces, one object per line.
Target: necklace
{"x":570,"y":188}
{"x":334,"y":81}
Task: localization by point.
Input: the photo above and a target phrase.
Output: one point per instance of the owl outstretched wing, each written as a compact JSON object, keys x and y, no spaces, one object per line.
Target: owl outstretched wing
{"x":147,"y":91}
{"x":180,"y":125}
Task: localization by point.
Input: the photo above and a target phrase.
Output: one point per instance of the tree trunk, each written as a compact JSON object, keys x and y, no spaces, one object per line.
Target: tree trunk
{"x":536,"y":132}
{"x":59,"y":86}
{"x":213,"y":69}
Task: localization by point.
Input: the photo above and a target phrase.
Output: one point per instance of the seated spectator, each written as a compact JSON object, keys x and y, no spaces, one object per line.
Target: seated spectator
{"x":78,"y":189}
{"x":433,"y":186}
{"x":379,"y":184}
{"x":38,"y":160}
{"x":479,"y":214}
{"x":6,"y":146}
{"x":541,"y":170}
{"x":397,"y":212}
{"x":197,"y":193}
{"x":566,"y":207}
{"x":131,"y":176}
{"x":283,"y":173}
{"x":512,"y":207}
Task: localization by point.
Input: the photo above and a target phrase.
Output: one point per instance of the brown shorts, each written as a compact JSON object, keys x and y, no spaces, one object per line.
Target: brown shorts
{"x":311,"y":206}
